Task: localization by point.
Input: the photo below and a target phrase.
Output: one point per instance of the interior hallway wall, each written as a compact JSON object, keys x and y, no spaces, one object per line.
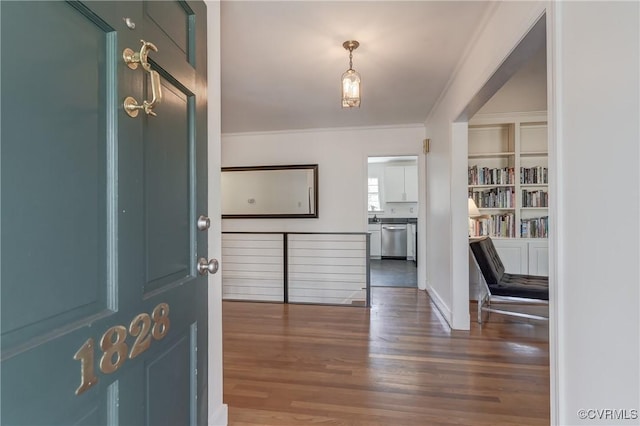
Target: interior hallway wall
{"x":594,"y":246}
{"x":447,"y":248}
{"x":596,"y":72}
{"x":341,"y":155}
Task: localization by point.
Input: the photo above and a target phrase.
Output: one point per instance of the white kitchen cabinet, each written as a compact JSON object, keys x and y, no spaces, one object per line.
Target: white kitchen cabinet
{"x":394,"y":183}
{"x":401,"y":184}
{"x":375,"y":245}
{"x":411,"y":183}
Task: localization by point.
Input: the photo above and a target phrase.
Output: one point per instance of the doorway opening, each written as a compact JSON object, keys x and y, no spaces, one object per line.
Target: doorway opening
{"x":508,"y":187}
{"x":392,"y":210}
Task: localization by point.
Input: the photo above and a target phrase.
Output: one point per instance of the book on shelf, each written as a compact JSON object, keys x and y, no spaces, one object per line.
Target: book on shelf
{"x":494,"y":198}
{"x":496,"y":225}
{"x":537,"y":227}
{"x":486,"y":176}
{"x":534,"y":175}
{"x":537,"y":198}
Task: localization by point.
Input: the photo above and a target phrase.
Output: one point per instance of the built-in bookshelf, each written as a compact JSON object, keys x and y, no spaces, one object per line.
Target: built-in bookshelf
{"x":508,"y":175}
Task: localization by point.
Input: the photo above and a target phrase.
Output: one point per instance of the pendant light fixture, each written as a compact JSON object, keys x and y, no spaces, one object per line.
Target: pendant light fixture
{"x":350,"y":79}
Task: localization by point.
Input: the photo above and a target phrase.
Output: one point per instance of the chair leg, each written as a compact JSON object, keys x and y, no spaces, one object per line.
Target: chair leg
{"x":488,"y":307}
{"x":480,"y":305}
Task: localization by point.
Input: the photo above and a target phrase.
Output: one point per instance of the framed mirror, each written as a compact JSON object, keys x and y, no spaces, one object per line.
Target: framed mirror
{"x":289,"y":191}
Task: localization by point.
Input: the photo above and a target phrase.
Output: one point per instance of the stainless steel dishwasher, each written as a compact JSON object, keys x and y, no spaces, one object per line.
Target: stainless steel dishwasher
{"x":394,"y":240}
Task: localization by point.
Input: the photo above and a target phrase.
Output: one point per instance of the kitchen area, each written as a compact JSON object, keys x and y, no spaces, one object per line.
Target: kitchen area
{"x":392,"y":220}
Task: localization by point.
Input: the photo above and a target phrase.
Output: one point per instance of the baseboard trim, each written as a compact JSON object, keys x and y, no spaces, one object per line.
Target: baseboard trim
{"x":220,"y":416}
{"x":442,"y":307}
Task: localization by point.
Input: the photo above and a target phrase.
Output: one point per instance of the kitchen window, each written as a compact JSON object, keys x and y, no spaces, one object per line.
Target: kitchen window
{"x":374,"y":195}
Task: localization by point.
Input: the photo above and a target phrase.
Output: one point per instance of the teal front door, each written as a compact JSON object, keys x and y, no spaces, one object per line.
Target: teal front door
{"x":103,"y":304}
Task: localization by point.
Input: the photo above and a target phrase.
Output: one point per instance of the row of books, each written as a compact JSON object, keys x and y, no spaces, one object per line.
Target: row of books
{"x":535,"y":198}
{"x":497,"y":225}
{"x":529,"y":175}
{"x":503,"y":225}
{"x":537,"y":227}
{"x":494,"y":198}
{"x":506,"y":175}
{"x":486,"y":176}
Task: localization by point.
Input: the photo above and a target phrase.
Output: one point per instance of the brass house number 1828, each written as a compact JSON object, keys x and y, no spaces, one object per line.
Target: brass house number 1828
{"x":114,"y":347}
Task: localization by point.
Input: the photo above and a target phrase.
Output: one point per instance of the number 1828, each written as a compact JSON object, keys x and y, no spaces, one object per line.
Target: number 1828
{"x":113,"y":344}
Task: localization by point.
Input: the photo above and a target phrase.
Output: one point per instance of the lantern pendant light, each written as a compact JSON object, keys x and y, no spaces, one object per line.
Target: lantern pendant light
{"x":350,"y":79}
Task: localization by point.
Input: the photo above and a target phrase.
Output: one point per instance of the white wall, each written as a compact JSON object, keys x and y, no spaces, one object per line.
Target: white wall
{"x":217,"y":410}
{"x":596,"y":107}
{"x":593,"y":64}
{"x":447,"y":246}
{"x":525,"y":91}
{"x":341,"y":155}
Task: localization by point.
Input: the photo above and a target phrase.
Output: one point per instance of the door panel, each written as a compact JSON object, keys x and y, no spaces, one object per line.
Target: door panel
{"x":92,"y":418}
{"x":164,"y":381}
{"x":174,"y":19}
{"x":103,"y":313}
{"x":168,"y":153}
{"x":180,"y":37}
{"x":49,"y":229}
{"x":31,"y":400}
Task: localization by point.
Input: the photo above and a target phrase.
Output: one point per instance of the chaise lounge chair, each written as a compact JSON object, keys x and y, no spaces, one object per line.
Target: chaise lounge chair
{"x":504,"y":288}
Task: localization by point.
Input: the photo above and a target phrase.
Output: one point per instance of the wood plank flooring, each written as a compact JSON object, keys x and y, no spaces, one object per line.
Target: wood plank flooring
{"x":395,"y":364}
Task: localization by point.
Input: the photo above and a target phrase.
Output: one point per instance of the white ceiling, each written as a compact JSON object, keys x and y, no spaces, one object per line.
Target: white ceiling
{"x":282,"y":61}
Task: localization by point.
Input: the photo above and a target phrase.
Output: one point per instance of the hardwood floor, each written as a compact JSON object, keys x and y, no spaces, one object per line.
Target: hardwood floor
{"x":395,"y":364}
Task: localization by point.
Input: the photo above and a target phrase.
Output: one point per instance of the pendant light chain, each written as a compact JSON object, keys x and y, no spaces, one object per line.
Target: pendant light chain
{"x":351,"y":58}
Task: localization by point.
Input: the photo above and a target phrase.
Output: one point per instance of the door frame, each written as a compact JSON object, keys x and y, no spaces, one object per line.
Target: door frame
{"x":422,"y":214}
{"x":217,"y":411}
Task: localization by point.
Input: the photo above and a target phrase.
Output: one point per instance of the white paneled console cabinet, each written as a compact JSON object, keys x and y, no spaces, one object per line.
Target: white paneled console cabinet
{"x":523,"y":256}
{"x":538,"y":258}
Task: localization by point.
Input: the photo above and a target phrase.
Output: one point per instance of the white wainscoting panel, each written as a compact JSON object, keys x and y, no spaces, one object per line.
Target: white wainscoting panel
{"x":253,"y":267}
{"x":514,"y":254}
{"x":327,"y":268}
{"x":539,"y":258}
